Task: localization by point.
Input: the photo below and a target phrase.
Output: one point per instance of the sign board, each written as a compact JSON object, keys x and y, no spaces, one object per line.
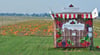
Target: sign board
{"x":76,"y":26}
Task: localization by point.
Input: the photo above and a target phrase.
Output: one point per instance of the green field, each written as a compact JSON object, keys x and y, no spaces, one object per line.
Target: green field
{"x":38,"y":44}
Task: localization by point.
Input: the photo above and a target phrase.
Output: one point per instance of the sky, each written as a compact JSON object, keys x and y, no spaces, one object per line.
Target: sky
{"x":41,"y":6}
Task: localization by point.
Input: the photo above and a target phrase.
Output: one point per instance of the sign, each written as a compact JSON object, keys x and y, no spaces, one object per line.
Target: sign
{"x":76,"y":26}
{"x":95,"y":13}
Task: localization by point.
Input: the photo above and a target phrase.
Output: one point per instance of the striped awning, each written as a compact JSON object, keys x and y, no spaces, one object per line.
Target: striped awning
{"x":72,"y":16}
{"x":86,"y":16}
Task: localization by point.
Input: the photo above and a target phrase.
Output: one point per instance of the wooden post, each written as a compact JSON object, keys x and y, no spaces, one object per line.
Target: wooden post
{"x":92,"y":44}
{"x":54,"y":34}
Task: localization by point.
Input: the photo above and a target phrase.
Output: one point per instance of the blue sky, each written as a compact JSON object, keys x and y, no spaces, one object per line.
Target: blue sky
{"x":40,"y":6}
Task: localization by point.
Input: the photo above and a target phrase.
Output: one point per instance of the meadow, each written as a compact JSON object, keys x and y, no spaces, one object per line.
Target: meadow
{"x":34,"y":36}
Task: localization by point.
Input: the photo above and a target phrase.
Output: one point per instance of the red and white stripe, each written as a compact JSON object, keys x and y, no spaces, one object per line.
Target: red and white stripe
{"x":72,"y":16}
{"x":86,"y":16}
{"x":65,"y":16}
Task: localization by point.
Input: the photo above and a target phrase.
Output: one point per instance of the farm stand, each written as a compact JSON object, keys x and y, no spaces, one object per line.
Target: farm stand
{"x":73,"y":29}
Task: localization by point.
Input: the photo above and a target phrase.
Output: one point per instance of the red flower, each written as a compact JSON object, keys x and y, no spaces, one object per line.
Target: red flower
{"x":89,"y":22}
{"x":88,"y":43}
{"x":60,"y":44}
{"x":66,"y":44}
{"x":59,"y":23}
{"x":57,"y":35}
{"x":85,"y":44}
{"x":97,"y":47}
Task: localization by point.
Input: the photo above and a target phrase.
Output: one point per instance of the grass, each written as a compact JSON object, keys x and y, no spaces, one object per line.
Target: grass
{"x":39,"y":45}
{"x":35,"y":45}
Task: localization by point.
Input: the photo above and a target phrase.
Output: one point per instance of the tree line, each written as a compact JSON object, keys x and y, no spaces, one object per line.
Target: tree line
{"x":26,"y":14}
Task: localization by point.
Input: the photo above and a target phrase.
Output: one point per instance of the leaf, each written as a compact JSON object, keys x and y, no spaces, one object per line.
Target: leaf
{"x":86,"y":38}
{"x":57,"y":29}
{"x":59,"y":39}
{"x":87,"y":25}
{"x":59,"y":19}
{"x":72,"y":43}
{"x":59,"y":32}
{"x":81,"y":41}
{"x":69,"y":41}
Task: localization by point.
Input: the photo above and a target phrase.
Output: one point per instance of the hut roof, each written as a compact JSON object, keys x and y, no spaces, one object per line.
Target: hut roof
{"x":73,"y":15}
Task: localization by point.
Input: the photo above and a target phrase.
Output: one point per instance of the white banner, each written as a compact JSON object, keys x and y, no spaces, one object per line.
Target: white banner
{"x":76,"y":26}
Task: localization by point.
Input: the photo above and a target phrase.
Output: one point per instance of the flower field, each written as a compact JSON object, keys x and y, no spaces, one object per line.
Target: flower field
{"x":29,"y":28}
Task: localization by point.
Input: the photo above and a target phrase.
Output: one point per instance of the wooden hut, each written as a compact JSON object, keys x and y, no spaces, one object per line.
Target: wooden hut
{"x":73,"y":29}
